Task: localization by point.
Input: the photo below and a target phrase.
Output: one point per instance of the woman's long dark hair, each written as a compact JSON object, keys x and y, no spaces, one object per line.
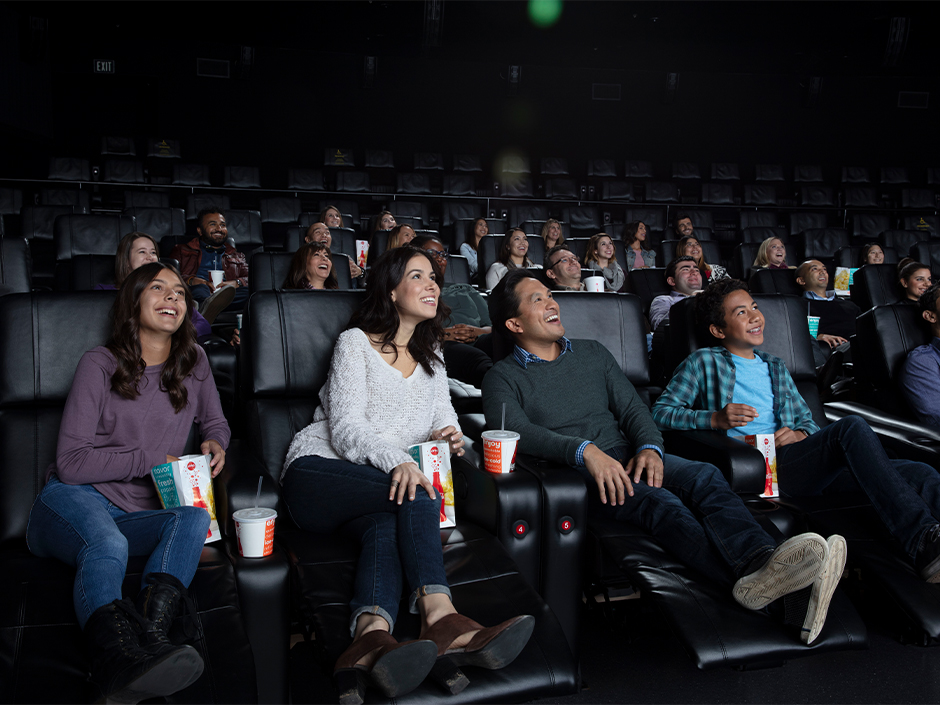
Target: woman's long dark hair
{"x":124,"y":342}
{"x":629,"y":235}
{"x":122,"y":262}
{"x":297,"y":275}
{"x":378,"y":316}
{"x":505,"y":254}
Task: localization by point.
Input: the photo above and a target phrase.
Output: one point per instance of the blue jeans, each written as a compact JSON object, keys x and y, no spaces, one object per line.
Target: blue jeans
{"x":326,"y":494}
{"x":906,"y":494}
{"x":79,"y":526}
{"x":694,"y":515}
{"x":201,"y":292}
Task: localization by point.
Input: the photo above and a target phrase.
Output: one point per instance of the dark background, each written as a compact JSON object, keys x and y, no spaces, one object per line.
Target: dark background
{"x":743,"y":71}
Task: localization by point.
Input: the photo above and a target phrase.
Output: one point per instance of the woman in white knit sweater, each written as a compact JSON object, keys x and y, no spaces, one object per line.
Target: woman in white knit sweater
{"x":350,"y":470}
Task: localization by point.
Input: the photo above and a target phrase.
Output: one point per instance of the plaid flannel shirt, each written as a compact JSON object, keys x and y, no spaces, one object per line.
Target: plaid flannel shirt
{"x":704,"y":383}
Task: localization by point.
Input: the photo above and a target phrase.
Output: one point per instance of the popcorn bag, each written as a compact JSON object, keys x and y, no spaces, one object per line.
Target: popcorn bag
{"x":434,"y":461}
{"x":362,"y":252}
{"x":765,"y":444}
{"x":187,"y":482}
{"x":845,"y":277}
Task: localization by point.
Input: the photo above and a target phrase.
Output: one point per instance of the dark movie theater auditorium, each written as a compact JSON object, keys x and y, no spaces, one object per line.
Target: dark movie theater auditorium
{"x":462,"y":351}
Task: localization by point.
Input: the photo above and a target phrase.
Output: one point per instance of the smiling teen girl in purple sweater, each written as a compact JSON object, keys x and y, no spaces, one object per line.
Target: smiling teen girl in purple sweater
{"x":131,"y":406}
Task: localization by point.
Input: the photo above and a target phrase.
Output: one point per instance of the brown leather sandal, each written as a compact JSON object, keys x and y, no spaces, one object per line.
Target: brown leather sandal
{"x":399,"y":668}
{"x":491,"y":647}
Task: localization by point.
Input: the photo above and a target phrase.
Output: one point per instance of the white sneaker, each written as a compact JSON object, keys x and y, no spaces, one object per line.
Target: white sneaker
{"x":823,"y":589}
{"x":795,"y":563}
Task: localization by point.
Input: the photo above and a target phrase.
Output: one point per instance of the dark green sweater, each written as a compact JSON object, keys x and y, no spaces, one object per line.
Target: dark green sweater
{"x":555,"y":406}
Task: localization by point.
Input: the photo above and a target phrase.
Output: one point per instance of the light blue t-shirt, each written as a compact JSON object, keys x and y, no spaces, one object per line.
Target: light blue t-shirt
{"x":752,"y":387}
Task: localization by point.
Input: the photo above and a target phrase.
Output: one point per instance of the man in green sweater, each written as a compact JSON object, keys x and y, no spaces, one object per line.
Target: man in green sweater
{"x":571,"y":403}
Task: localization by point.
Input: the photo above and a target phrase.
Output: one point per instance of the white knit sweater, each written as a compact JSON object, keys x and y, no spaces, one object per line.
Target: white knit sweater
{"x":369,"y":413}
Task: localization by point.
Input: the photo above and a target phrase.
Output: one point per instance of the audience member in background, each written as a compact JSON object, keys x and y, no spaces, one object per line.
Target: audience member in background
{"x":607,"y":435}
{"x":602,"y":258}
{"x":640,"y":252}
{"x":872,"y":254}
{"x":478,"y":230}
{"x":551,"y":233}
{"x":400,"y":235}
{"x":685,"y":279}
{"x":739,"y":389}
{"x":331,"y":217}
{"x":350,"y":471}
{"x":836,"y":316}
{"x":914,"y":278}
{"x":512,"y":254}
{"x":131,"y":407}
{"x":920,"y":375}
{"x":311,"y":268}
{"x":772,"y":254}
{"x":682,"y":225}
{"x":207,"y":252}
{"x":563,"y":269}
{"x":468,"y":346}
{"x":690,"y":246}
{"x":320,"y":232}
{"x":383,"y":221}
{"x":135,"y":250}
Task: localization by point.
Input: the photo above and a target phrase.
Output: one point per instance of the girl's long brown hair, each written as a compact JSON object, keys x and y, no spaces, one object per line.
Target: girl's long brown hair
{"x":122,"y":263}
{"x":124,"y":342}
{"x":378,"y":316}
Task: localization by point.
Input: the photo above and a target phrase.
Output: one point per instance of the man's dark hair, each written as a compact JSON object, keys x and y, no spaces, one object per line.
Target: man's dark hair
{"x":423,"y":240}
{"x":556,"y":248}
{"x":928,"y":300}
{"x":681,"y":215}
{"x":206,"y":211}
{"x":671,"y":267}
{"x":503,"y":301}
{"x":710,"y":304}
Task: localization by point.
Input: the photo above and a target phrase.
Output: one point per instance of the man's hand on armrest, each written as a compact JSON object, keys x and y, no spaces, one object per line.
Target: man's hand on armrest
{"x":649,"y":461}
{"x":611,"y":477}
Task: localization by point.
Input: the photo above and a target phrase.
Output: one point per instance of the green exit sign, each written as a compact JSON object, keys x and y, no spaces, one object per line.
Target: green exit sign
{"x":102,"y":66}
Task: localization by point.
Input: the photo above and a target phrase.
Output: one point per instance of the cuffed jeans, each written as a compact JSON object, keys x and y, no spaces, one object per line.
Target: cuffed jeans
{"x":906,"y":494}
{"x":325,"y":494}
{"x":79,"y":526}
{"x":694,"y":515}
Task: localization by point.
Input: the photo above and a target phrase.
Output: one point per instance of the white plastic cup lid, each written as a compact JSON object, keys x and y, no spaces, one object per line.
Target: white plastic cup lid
{"x":501,"y":435}
{"x":254,"y":514}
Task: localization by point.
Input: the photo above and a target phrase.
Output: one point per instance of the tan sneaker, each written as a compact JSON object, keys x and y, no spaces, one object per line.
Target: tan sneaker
{"x":218,"y":302}
{"x":824,"y":588}
{"x":796,"y":563}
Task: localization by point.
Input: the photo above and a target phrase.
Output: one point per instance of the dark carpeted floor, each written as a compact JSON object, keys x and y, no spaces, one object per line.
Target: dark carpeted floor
{"x":628,"y":656}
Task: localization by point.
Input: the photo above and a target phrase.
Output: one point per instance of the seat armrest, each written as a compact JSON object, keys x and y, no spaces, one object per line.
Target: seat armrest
{"x":907,"y":438}
{"x":507,"y":506}
{"x":564,"y":497}
{"x":742,"y":465}
{"x":237,"y":485}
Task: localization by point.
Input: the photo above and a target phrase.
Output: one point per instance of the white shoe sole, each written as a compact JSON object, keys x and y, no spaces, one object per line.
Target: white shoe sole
{"x":796,"y":563}
{"x":823,"y":590}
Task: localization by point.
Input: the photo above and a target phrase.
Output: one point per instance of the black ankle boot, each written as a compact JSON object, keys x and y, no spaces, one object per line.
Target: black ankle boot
{"x":123,"y":668}
{"x":163,"y":600}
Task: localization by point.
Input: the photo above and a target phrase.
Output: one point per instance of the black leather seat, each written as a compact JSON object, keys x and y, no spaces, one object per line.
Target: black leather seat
{"x":86,"y":235}
{"x":305,"y":179}
{"x":742,"y":260}
{"x":37,"y":225}
{"x":903,"y":240}
{"x":821,"y":244}
{"x":774,"y":281}
{"x":849,"y":256}
{"x":69,"y":169}
{"x":459,"y":185}
{"x":197,"y":201}
{"x":616,"y":190}
{"x":860,"y":197}
{"x":769,"y":172}
{"x":76,"y":198}
{"x":928,"y":223}
{"x":242,"y":612}
{"x":604,"y":168}
{"x":159,"y":222}
{"x":927,"y":252}
{"x":911,"y":603}
{"x":718,"y":194}
{"x":516,"y":185}
{"x":757,"y":234}
{"x":760,"y":195}
{"x":801,"y":220}
{"x":190,"y":175}
{"x":289,"y":338}
{"x":816,"y":196}
{"x":866,"y":227}
{"x":758,"y":219}
{"x":14,"y":265}
{"x":711,"y":626}
{"x":875,"y":285}
{"x":561,"y":188}
{"x":242,"y":177}
{"x":413,"y":182}
{"x":661,"y":192}
{"x":647,"y":284}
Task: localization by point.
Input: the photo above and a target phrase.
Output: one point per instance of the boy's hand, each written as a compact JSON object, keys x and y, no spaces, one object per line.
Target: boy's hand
{"x":785,"y":436}
{"x":733,"y":416}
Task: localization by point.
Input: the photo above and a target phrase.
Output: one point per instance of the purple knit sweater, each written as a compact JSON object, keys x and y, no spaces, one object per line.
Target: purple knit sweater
{"x":112,"y":443}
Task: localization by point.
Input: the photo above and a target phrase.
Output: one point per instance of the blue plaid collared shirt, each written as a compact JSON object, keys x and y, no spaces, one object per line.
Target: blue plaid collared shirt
{"x":525,"y":358}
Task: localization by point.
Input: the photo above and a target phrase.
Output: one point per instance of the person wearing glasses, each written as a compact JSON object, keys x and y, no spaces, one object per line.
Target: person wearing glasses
{"x":563,"y":269}
{"x":468,"y":347}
